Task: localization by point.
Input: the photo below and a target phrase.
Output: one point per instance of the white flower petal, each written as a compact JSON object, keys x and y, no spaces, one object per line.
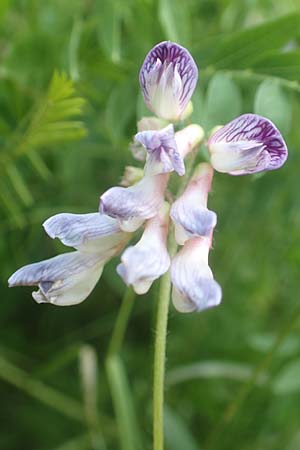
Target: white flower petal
{"x":64,"y":280}
{"x":148,"y":259}
{"x":168,"y":78}
{"x":248,"y":144}
{"x":189,"y":212}
{"x":188,"y":138}
{"x":194,"y":288}
{"x":134,"y":204}
{"x":163,"y":156}
{"x":93,"y":233}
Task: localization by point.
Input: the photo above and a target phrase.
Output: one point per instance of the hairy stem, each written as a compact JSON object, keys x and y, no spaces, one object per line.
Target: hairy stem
{"x":160,"y":356}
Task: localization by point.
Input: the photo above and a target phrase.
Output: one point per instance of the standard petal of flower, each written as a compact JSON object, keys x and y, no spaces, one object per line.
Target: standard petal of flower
{"x":248,"y":144}
{"x":64,"y":280}
{"x":194,"y":288}
{"x":93,"y":233}
{"x":163,"y":156}
{"x":189,"y":212}
{"x":134,"y":204}
{"x":148,"y":259}
{"x":168,"y":78}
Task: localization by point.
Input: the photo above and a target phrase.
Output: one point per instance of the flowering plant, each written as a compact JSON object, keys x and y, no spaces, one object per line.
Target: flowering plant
{"x":246,"y":145}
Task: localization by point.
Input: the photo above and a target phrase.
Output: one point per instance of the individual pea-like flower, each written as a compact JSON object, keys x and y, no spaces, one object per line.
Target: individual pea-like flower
{"x":168,"y":78}
{"x":148,"y":259}
{"x":189,"y":212}
{"x":134,"y":204}
{"x":186,"y":140}
{"x":248,"y":144}
{"x":64,"y":280}
{"x":92,"y":233}
{"x":163,"y":155}
{"x":194,"y":287}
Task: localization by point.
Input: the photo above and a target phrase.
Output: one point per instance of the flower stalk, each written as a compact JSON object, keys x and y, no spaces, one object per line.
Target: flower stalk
{"x":160,"y":354}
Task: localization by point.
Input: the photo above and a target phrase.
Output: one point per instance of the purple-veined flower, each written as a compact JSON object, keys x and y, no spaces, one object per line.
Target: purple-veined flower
{"x":194,"y":287}
{"x":134,"y":204}
{"x":168,"y":78}
{"x":189,"y":212}
{"x":148,"y":259}
{"x":64,"y":280}
{"x":92,"y":233}
{"x":248,"y":144}
{"x":163,"y":156}
{"x":186,"y":140}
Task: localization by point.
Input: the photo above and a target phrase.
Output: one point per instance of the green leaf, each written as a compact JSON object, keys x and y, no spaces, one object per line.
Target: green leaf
{"x":288,"y":380}
{"x":211,"y":369}
{"x":273,"y":102}
{"x":244,"y":48}
{"x":175,"y":21}
{"x":223,"y":101}
{"x":109,"y":29}
{"x":282,"y":65}
{"x":178,"y":436}
{"x":123,"y":404}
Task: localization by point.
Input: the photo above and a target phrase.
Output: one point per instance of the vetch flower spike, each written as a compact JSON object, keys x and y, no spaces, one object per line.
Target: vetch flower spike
{"x":194,"y":287}
{"x":64,"y":280}
{"x":248,"y":144}
{"x":92,"y":233}
{"x":168,"y":78}
{"x":134,"y":204}
{"x":163,"y":156}
{"x":148,"y":259}
{"x":189,"y":212}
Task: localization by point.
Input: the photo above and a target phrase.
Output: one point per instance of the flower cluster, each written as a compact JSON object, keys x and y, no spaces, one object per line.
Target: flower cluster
{"x":246,"y":145}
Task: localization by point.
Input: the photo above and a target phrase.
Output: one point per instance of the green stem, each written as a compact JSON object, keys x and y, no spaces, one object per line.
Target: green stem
{"x":121,"y":322}
{"x":160,"y":356}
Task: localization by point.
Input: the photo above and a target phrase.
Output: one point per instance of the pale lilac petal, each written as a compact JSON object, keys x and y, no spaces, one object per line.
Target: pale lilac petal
{"x":189,"y":212}
{"x":148,"y":259}
{"x":194,"y":288}
{"x":188,"y":139}
{"x":93,"y":233}
{"x":168,"y":78}
{"x":134,"y":204}
{"x":248,"y":144}
{"x":163,"y":156}
{"x":64,"y":280}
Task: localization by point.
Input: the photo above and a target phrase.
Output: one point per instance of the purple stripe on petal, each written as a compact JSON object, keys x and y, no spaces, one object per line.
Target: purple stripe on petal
{"x":248,"y":144}
{"x":168,"y":78}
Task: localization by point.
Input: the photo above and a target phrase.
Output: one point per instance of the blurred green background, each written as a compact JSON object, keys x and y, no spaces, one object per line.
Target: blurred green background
{"x":69,"y":101}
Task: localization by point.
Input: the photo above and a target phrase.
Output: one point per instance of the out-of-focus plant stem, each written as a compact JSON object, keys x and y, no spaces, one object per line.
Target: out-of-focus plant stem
{"x":121,"y":322}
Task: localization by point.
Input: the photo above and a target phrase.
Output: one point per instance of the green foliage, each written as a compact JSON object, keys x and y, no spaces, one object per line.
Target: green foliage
{"x":223,"y":100}
{"x":50,"y":122}
{"x":233,"y":372}
{"x":272,"y":102}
